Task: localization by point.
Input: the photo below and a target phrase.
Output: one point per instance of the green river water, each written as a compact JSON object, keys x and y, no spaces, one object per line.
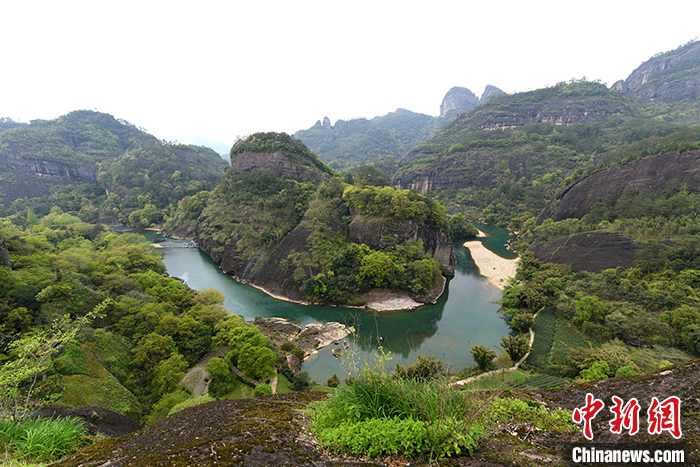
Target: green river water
{"x":466,"y":314}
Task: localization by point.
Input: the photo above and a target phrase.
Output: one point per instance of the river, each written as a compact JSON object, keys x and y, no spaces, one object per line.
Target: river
{"x":465,"y":315}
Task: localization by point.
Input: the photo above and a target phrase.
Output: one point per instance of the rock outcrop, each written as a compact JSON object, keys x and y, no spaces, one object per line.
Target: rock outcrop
{"x":97,"y":420}
{"x":272,"y":430}
{"x":31,"y":177}
{"x":458,"y":100}
{"x":312,"y":338}
{"x":606,"y":186}
{"x":277,"y":162}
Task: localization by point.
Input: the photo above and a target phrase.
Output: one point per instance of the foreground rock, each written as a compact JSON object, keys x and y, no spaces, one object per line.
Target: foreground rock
{"x":271,"y":431}
{"x":249,"y":432}
{"x":97,"y":420}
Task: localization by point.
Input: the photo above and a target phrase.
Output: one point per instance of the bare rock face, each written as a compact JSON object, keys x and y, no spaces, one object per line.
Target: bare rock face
{"x":458,"y":100}
{"x":592,"y":251}
{"x":668,"y":77}
{"x":607,"y":186}
{"x":315,"y":336}
{"x":276,"y":161}
{"x":97,"y":420}
{"x":33,"y":177}
{"x":310,"y":339}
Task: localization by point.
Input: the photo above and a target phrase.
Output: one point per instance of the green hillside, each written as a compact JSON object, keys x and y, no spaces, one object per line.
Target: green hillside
{"x":98,"y":167}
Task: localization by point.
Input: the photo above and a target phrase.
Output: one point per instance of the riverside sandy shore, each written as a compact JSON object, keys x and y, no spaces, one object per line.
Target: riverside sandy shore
{"x":496,"y":269}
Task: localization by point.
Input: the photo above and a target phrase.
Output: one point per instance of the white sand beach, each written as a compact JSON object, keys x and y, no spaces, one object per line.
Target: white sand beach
{"x":496,"y":269}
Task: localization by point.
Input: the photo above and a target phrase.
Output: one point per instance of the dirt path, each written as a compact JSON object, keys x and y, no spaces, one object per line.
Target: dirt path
{"x":196,"y":378}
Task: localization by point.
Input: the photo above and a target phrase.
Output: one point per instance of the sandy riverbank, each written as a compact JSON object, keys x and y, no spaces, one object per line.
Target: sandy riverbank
{"x":496,"y":269}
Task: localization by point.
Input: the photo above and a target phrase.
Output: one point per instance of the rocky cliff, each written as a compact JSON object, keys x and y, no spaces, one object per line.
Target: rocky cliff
{"x":592,"y":251}
{"x":669,"y":77}
{"x":278,"y":162}
{"x":606,"y":186}
{"x":379,"y":233}
{"x":30,"y":177}
{"x":280,"y":221}
{"x":456,"y":101}
{"x":510,"y":137}
{"x":545,"y":106}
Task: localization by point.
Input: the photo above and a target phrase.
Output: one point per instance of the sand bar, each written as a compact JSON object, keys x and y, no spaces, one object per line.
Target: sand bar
{"x":496,"y":269}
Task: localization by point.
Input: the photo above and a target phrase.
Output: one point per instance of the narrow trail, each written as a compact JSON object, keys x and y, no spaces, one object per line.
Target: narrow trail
{"x":502,"y":370}
{"x":197,"y":377}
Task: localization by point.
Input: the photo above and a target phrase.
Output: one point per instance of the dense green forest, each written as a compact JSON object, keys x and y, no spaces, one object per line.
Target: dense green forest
{"x":131,"y":358}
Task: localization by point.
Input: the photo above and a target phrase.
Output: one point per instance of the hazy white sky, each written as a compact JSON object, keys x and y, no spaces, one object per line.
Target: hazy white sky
{"x":219,"y":69}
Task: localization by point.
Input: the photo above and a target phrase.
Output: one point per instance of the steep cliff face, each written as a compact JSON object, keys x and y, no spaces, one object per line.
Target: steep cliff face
{"x":32,"y":177}
{"x":559,"y":110}
{"x":281,"y":222}
{"x":652,"y":174}
{"x":669,"y":77}
{"x":86,"y":147}
{"x":458,"y":100}
{"x":277,"y":162}
{"x":380,"y":233}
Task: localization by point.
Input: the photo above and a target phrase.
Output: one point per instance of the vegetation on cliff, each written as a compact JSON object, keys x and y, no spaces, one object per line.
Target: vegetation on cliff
{"x":97,"y":167}
{"x":267,"y":227}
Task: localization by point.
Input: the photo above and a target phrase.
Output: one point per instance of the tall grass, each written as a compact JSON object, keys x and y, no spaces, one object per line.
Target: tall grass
{"x":41,"y":438}
{"x":441,"y":420}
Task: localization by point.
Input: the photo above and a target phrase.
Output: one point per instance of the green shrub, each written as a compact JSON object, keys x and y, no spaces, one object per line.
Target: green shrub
{"x":333,"y":381}
{"x":515,"y":411}
{"x":263,"y":389}
{"x":625,"y":371}
{"x":483,"y":356}
{"x":419,"y":417}
{"x":165,"y":404}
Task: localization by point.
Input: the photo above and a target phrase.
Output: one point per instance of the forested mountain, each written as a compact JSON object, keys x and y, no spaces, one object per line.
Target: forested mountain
{"x":284,"y":221}
{"x":385,"y":139}
{"x":100,"y":168}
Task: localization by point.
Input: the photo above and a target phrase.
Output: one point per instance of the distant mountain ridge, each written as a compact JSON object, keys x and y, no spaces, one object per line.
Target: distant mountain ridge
{"x":350,"y":143}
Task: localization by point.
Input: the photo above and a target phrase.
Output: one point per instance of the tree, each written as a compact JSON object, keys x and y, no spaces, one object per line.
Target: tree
{"x":522,"y":322}
{"x":424,"y":368}
{"x":483,"y":356}
{"x":515,"y":347}
{"x":300,"y":381}
{"x":168,"y":374}
{"x":263,"y":389}
{"x":591,"y":309}
{"x":256,"y":362}
{"x":333,"y":381}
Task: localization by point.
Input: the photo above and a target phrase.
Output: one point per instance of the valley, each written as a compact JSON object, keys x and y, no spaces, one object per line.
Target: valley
{"x":587,"y":197}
